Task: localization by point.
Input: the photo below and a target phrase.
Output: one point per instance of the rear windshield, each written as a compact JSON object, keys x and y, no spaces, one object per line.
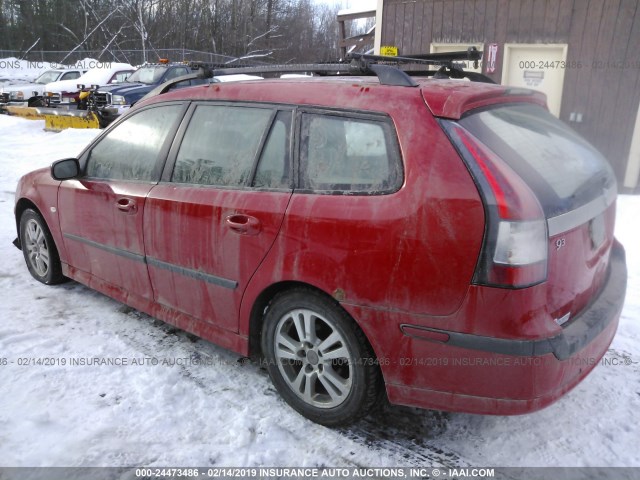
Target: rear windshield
{"x":562,"y":168}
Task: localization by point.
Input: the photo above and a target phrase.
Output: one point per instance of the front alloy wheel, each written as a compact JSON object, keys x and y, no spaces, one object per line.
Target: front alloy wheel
{"x":39,"y":250}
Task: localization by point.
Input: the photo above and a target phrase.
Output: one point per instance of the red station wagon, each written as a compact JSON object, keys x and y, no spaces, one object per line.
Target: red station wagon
{"x":447,"y":243}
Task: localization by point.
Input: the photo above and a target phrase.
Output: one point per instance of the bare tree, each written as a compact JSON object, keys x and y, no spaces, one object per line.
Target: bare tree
{"x":277,"y":30}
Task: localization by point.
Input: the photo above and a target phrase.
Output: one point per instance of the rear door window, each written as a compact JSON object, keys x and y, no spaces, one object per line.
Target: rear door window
{"x":220,"y":145}
{"x":562,"y":168}
{"x":273,"y":168}
{"x":342,"y":154}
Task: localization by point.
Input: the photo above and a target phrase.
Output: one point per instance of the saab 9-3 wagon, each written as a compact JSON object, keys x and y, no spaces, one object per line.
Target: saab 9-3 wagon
{"x":446,"y":243}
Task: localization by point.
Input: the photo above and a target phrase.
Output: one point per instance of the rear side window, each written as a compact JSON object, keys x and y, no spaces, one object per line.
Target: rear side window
{"x":120,"y":77}
{"x":220,"y":145}
{"x":175,"y":73}
{"x":562,"y":168}
{"x":341,"y":154}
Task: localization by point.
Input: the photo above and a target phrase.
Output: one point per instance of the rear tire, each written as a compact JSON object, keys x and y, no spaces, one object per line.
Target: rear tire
{"x":39,"y":250}
{"x":318,"y":358}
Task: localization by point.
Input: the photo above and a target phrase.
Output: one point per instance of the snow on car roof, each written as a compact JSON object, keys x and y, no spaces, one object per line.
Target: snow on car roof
{"x":238,"y":77}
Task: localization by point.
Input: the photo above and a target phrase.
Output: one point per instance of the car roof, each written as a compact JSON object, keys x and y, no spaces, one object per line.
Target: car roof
{"x":444,"y":97}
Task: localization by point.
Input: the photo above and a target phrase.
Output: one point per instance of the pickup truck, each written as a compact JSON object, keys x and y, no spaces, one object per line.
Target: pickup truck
{"x":66,"y":93}
{"x":32,"y":92}
{"x":112,"y":101}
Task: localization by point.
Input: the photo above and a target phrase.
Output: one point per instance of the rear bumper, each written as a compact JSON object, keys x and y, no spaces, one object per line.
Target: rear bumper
{"x":577,"y":335}
{"x":444,"y":370}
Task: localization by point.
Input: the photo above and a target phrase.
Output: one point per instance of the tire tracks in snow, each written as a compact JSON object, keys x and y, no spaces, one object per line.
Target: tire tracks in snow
{"x":406,"y":436}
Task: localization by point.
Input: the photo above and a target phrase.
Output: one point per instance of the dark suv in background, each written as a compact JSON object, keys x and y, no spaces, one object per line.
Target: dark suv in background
{"x":112,"y":101}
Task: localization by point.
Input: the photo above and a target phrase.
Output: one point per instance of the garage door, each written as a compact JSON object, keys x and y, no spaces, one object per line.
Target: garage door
{"x":539,"y":67}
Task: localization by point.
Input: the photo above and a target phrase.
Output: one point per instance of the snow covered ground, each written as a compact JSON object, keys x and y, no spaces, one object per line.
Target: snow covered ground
{"x":224,"y":411}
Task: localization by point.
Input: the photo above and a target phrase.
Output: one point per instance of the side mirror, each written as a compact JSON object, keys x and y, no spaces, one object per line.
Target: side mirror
{"x":65,"y":169}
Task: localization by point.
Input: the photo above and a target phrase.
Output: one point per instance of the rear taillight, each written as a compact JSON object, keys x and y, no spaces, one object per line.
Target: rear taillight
{"x":514,"y":250}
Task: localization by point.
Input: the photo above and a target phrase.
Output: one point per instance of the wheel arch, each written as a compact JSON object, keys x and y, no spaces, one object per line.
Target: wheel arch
{"x":22,"y":205}
{"x":265,"y":297}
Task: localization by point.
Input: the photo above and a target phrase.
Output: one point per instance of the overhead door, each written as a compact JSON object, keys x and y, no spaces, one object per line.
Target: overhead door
{"x":537,"y":66}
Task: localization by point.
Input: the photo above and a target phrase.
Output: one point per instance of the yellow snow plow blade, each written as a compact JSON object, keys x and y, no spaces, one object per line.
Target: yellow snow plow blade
{"x":56,"y":120}
{"x":25,"y":112}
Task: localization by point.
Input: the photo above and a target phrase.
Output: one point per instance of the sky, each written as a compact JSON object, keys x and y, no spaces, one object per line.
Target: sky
{"x":357,"y":4}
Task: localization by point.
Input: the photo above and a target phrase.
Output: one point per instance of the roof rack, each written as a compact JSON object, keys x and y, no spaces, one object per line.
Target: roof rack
{"x":389,"y":70}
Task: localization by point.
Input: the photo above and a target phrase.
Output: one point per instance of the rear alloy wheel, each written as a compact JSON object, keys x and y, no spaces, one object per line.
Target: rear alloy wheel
{"x":39,"y":250}
{"x":318,"y":359}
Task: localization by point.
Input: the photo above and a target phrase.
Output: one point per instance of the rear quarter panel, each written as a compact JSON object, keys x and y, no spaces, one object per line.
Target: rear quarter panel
{"x":414,"y":250}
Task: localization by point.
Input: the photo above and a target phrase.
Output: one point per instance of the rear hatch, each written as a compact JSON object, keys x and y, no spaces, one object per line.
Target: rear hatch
{"x":574,"y":186}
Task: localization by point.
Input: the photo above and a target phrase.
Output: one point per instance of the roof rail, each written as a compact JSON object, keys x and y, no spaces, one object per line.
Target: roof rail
{"x":387,"y":69}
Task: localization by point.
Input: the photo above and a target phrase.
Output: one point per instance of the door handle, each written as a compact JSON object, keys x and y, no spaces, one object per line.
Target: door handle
{"x":126,"y":205}
{"x":243,"y":224}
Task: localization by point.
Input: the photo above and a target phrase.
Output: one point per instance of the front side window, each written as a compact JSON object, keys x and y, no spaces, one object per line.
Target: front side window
{"x":120,"y":77}
{"x":48,"y":77}
{"x":220,"y":145}
{"x":130,"y":151}
{"x":70,"y":76}
{"x":343,"y":154}
{"x":148,"y":75}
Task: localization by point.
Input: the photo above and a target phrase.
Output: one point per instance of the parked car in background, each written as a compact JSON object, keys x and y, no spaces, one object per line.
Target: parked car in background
{"x":66,"y":92}
{"x":449,"y":244}
{"x":32,"y":92}
{"x":111,"y":101}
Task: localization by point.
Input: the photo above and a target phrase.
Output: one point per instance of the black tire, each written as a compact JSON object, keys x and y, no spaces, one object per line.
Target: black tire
{"x":331,"y":381}
{"x":39,"y":249}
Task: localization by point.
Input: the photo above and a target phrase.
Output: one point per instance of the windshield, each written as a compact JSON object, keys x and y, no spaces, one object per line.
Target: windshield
{"x":148,"y":75}
{"x":562,"y":168}
{"x":48,"y":77}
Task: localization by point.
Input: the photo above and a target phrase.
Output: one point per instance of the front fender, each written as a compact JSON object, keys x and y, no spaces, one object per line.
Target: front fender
{"x":38,"y":189}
